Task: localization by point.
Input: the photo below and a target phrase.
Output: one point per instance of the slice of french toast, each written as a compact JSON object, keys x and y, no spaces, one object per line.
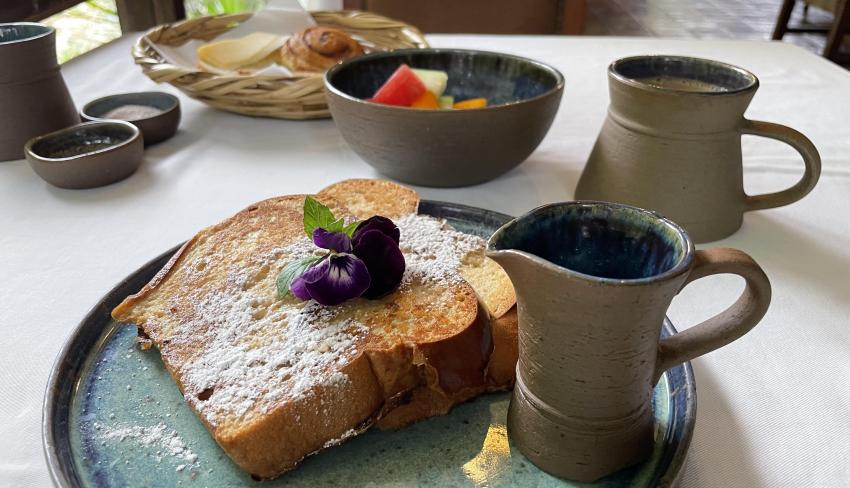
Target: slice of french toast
{"x":365,"y":198}
{"x":501,"y":371}
{"x":275,"y":380}
{"x":491,"y":283}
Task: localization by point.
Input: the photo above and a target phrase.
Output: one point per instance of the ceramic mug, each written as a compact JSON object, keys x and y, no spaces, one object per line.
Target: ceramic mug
{"x":672,"y":143}
{"x":593,"y":283}
{"x":33,"y":95}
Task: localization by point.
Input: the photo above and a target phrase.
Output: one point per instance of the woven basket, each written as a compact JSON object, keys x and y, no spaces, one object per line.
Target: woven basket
{"x":286,"y":97}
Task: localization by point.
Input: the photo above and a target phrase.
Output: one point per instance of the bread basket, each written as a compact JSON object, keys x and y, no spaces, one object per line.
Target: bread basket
{"x":287,"y":97}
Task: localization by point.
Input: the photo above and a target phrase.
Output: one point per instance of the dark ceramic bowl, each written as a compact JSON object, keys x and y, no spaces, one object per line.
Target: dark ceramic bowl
{"x":87,"y":155}
{"x":155,"y":128}
{"x":446,"y":147}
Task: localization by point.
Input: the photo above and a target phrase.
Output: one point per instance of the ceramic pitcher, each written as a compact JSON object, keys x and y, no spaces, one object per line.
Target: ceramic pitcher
{"x":593,"y":283}
{"x":33,"y":97}
{"x":672,"y":143}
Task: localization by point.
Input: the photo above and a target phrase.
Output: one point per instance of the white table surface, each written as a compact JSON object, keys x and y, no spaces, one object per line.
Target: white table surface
{"x":774,"y":407}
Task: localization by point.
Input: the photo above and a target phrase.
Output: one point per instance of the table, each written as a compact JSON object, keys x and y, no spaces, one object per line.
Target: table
{"x":774,"y":407}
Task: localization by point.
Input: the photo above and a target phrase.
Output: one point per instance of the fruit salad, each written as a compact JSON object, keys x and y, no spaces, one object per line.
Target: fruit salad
{"x":421,"y":88}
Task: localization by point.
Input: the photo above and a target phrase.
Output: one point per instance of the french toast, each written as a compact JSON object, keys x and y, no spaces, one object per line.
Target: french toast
{"x":275,"y":380}
{"x":488,"y":279}
{"x":501,"y":370}
{"x":364,"y":198}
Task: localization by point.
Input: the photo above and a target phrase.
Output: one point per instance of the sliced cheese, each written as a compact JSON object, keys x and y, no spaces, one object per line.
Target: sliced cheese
{"x":233,"y":54}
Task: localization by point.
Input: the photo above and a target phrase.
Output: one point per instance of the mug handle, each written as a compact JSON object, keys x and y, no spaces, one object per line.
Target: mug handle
{"x":726,"y":326}
{"x":806,"y":149}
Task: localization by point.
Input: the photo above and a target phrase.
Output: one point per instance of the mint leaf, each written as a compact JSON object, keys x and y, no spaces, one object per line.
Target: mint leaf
{"x":350,"y":228}
{"x":337,"y":225}
{"x":318,"y":215}
{"x":291,"y":271}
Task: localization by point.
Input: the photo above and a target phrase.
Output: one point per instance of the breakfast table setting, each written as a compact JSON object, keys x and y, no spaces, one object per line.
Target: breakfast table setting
{"x":754,"y":393}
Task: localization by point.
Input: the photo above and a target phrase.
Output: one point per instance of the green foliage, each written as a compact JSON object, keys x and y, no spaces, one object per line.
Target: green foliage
{"x":84,"y":27}
{"x":198,"y":8}
{"x":291,"y":271}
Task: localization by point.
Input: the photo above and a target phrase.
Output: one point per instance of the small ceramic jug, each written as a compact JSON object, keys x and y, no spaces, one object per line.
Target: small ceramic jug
{"x":593,"y":283}
{"x":672,"y":143}
{"x":33,"y":97}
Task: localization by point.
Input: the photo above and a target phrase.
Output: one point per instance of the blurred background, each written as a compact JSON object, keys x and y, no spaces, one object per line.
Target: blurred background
{"x":817,"y":25}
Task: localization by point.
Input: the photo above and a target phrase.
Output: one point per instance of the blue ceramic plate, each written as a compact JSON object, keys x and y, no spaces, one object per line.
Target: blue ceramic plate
{"x":113,"y":417}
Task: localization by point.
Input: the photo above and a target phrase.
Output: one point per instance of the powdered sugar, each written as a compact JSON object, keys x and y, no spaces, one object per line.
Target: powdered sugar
{"x":261,"y":350}
{"x":342,"y":438}
{"x":433,"y":250}
{"x":166,"y":440}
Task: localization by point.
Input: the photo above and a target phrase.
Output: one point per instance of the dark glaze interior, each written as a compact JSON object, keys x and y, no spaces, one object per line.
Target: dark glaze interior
{"x":500,"y":78}
{"x":83,"y":140}
{"x":729,"y":78}
{"x":22,"y":32}
{"x":599,"y":240}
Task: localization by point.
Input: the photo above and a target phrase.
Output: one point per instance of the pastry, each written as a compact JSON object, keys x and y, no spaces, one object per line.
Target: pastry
{"x":317,"y":48}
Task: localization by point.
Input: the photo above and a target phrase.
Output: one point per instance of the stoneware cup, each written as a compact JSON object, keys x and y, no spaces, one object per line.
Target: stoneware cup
{"x":33,"y":95}
{"x":672,"y":143}
{"x":593,"y":282}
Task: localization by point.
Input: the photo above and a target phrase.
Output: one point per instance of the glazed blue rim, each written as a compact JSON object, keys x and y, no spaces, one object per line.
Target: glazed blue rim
{"x":679,"y":268}
{"x":89,"y":336}
{"x":616,"y":64}
{"x":559,"y":78}
{"x":47,"y":30}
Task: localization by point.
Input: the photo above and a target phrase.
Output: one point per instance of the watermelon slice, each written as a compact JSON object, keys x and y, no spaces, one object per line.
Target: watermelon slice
{"x":402,"y":88}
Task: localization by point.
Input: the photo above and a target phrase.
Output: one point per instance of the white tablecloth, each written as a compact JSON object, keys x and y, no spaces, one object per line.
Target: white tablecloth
{"x":774,"y":407}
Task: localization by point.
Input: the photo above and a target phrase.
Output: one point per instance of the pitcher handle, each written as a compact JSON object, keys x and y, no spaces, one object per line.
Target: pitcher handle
{"x":726,"y":326}
{"x":806,"y":149}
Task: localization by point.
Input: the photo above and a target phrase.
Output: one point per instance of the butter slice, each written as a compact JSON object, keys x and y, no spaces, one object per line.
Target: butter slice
{"x":233,"y":54}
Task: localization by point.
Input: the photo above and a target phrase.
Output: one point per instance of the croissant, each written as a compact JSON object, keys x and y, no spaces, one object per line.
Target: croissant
{"x":317,"y":49}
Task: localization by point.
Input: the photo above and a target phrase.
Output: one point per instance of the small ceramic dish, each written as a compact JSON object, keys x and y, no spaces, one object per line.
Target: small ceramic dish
{"x":446,"y":147}
{"x":87,"y":155}
{"x":156,"y":114}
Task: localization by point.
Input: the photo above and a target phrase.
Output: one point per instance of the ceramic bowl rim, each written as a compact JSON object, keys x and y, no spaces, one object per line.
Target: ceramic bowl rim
{"x":135,"y":135}
{"x":329,"y":86}
{"x":753,"y":81}
{"x":175,"y":104}
{"x":48,"y":30}
{"x":684,"y":263}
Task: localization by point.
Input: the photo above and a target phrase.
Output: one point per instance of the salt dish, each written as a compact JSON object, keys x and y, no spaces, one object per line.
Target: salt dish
{"x":87,"y":155}
{"x":156,"y":114}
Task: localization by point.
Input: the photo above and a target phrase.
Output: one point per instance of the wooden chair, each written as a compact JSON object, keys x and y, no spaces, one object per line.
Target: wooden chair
{"x":836,"y":32}
{"x":483,"y":16}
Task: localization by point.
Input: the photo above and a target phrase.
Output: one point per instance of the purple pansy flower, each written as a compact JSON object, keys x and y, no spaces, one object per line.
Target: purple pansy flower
{"x":335,"y":241}
{"x":376,"y":243}
{"x":363,"y":259}
{"x":333,"y":280}
{"x":369,"y":264}
{"x":382,"y":224}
